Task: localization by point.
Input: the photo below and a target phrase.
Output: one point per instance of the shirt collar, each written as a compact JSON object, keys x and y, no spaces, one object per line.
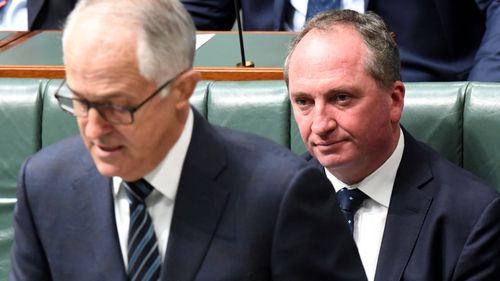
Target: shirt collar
{"x":379,"y":184}
{"x":166,"y":176}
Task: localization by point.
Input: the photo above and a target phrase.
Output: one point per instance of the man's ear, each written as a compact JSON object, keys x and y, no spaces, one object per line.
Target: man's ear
{"x":397,"y":101}
{"x":184,"y":86}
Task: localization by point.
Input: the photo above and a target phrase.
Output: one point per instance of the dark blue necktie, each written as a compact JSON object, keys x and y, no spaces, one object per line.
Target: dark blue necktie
{"x":143,"y":256}
{"x":316,"y":6}
{"x":350,"y":200}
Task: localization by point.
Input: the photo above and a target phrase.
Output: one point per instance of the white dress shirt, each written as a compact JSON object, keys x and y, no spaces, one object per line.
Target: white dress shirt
{"x":369,"y":220}
{"x":160,"y":204}
{"x":14,"y":16}
{"x":299,"y":10}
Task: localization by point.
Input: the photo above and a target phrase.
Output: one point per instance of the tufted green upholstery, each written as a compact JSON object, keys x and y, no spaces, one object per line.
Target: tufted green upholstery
{"x":433,"y":114}
{"x":481,"y":153}
{"x":56,"y":124}
{"x":260,"y":107}
{"x":20,"y":111}
{"x":459,"y":119}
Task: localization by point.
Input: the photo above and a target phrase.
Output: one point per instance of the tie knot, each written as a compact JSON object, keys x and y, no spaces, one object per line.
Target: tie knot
{"x":138,"y":190}
{"x":350,"y":199}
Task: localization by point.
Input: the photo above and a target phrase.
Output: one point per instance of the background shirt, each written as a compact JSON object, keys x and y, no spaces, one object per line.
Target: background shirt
{"x":14,"y":16}
{"x":297,"y":16}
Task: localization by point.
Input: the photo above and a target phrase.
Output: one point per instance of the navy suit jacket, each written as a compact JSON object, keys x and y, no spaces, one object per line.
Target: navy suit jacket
{"x":246,"y":209}
{"x":443,"y":223}
{"x":439,"y":40}
{"x":48,"y":14}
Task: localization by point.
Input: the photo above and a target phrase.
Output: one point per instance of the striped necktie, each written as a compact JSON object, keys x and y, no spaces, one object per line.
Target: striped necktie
{"x":143,"y":256}
{"x":316,"y":6}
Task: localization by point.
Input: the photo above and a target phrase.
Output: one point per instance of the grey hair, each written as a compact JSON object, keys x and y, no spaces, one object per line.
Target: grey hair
{"x":382,"y":63}
{"x":166,"y":35}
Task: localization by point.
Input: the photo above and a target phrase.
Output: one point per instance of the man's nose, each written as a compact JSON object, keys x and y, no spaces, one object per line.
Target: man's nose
{"x":96,"y":126}
{"x":323,"y":121}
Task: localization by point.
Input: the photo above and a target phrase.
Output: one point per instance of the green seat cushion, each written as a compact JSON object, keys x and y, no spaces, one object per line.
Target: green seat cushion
{"x":433,"y":114}
{"x":482,"y":132}
{"x":259,"y":107}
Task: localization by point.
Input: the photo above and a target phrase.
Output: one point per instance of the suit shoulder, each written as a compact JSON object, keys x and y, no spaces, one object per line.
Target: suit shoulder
{"x":453,"y":187}
{"x":460,"y":181}
{"x":58,"y":159}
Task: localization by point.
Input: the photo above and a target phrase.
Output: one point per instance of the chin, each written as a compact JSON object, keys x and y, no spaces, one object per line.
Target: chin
{"x":333,"y":161}
{"x":108,"y":170}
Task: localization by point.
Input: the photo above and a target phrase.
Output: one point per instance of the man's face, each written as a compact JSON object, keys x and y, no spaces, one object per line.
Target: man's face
{"x":345,"y":119}
{"x":107,"y":72}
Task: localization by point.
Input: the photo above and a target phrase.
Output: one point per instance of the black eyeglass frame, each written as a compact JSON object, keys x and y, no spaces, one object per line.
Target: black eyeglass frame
{"x":97,"y":105}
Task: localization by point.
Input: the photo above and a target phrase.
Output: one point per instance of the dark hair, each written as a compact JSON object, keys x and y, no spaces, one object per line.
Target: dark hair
{"x":382,"y":63}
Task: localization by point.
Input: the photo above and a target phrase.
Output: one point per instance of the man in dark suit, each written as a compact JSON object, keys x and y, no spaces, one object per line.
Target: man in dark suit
{"x":440,"y":40}
{"x":150,"y":190}
{"x":418,"y":216}
{"x":48,"y":14}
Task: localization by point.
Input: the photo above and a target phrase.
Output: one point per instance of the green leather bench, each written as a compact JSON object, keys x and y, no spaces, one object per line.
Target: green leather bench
{"x":461,"y":120}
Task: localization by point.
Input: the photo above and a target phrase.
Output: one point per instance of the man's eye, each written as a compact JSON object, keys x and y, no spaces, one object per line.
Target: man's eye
{"x":302,"y":102}
{"x":342,"y":97}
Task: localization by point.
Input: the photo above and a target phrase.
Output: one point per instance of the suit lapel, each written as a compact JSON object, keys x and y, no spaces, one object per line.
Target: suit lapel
{"x":408,"y":208}
{"x":95,"y":204}
{"x":199,"y":204}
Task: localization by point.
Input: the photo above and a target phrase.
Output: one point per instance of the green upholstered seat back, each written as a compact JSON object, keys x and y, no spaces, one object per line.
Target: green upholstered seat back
{"x":481,"y":124}
{"x":259,"y":107}
{"x":56,"y":124}
{"x":433,"y":114}
{"x":20,"y":111}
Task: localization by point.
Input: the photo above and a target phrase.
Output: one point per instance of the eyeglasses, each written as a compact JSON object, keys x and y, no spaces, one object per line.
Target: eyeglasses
{"x":112,"y":113}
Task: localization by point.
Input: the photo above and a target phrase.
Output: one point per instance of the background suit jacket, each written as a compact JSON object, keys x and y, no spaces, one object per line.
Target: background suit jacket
{"x":439,"y":40}
{"x":246,"y":209}
{"x":442,"y":222}
{"x":48,"y":14}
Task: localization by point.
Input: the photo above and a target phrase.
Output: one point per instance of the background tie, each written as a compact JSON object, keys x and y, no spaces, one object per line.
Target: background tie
{"x":350,"y":200}
{"x":143,"y":256}
{"x":316,"y":6}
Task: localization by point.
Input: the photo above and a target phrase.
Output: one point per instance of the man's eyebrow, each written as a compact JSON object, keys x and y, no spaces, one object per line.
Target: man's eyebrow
{"x":101,"y":97}
{"x":298,"y":94}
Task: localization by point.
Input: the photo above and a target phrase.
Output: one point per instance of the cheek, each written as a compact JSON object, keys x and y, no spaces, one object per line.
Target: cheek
{"x":304,"y":126}
{"x":81,"y":127}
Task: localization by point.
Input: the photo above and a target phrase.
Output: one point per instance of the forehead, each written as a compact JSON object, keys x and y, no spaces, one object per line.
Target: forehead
{"x":318,"y":49}
{"x":98,"y":52}
{"x":328,"y":59}
{"x":96,"y":39}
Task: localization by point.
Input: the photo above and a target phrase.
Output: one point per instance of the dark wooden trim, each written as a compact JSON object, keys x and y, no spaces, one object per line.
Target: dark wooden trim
{"x":207,"y":73}
{"x":32,"y":71}
{"x":240,"y":74}
{"x":16,"y":39}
